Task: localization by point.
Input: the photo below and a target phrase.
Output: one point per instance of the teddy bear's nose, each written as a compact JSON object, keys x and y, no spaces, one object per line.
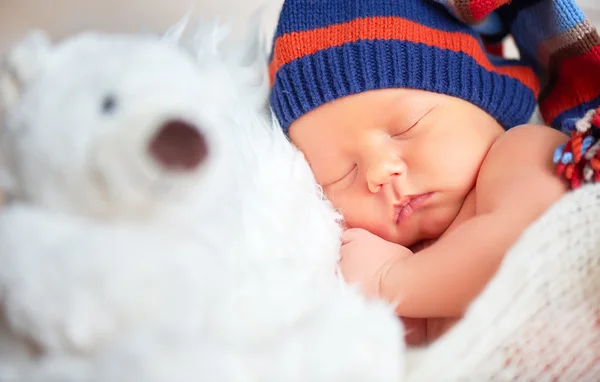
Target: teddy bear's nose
{"x":178,"y":146}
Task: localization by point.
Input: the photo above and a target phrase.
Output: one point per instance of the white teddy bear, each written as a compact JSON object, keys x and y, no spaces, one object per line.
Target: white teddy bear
{"x":160,"y":227}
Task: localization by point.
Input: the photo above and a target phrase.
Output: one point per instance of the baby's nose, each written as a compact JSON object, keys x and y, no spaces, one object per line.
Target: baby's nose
{"x":178,"y":146}
{"x":384,"y":173}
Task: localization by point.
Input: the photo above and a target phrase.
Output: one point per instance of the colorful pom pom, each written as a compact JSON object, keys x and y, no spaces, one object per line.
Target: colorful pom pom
{"x":558,"y":153}
{"x":578,"y":161}
{"x":586,"y":144}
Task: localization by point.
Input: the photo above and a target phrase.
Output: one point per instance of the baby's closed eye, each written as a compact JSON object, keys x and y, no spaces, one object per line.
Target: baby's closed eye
{"x":406,"y":122}
{"x":347,"y":178}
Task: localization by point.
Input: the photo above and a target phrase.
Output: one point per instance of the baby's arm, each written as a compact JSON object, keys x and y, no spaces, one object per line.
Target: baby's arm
{"x":516,"y":184}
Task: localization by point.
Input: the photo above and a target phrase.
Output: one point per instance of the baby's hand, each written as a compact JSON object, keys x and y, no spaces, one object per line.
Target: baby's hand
{"x":366,"y":258}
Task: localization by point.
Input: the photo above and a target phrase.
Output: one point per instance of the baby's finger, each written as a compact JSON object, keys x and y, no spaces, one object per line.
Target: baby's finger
{"x":347,"y":237}
{"x":349,"y":255}
{"x":345,"y":250}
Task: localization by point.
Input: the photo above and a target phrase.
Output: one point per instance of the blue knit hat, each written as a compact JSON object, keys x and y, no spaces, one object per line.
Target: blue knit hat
{"x":328,"y":49}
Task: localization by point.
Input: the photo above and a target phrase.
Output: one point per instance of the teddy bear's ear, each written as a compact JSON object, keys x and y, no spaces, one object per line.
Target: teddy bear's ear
{"x":20,"y":65}
{"x":175,"y":32}
{"x":8,"y":182}
{"x":250,"y":59}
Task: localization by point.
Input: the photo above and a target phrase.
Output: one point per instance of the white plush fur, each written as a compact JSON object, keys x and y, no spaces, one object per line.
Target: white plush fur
{"x":115,"y":269}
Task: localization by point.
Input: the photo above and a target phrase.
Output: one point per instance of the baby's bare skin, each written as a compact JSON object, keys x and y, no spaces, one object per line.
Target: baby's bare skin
{"x":407,"y":166}
{"x":420,"y":331}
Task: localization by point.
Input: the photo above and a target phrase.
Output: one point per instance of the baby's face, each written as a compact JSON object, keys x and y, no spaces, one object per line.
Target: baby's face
{"x":397,"y":162}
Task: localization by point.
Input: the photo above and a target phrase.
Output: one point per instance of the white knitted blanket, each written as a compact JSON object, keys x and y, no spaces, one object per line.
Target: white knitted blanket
{"x":539,"y":318}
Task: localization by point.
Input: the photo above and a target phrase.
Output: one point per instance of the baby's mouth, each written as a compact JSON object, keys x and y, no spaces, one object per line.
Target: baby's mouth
{"x":408,"y":206}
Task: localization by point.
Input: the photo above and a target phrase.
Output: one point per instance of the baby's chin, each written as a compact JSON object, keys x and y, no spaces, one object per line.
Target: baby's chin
{"x":413,"y":239}
{"x":421,"y":245}
{"x":429,"y":227}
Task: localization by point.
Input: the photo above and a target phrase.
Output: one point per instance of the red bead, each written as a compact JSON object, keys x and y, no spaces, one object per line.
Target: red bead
{"x":568,"y":145}
{"x":569,"y":171}
{"x":576,"y":142}
{"x":596,"y":120}
{"x":575,"y":182}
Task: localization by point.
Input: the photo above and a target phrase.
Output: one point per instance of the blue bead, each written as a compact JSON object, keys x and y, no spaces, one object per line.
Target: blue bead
{"x":567,"y":158}
{"x":586,"y":144}
{"x":558,"y":153}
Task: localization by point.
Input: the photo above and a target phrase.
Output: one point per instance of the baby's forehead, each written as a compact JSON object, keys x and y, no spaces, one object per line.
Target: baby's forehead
{"x":364,"y":110}
{"x":344,"y":127}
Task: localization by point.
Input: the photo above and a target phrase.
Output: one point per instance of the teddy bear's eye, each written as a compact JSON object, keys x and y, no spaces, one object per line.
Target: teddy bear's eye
{"x":109,"y":104}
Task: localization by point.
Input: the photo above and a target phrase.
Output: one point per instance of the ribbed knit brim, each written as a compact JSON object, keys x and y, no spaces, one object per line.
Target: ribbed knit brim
{"x":328,"y":49}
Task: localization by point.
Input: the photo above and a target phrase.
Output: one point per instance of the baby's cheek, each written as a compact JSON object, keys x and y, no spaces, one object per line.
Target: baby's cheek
{"x":377,"y":225}
{"x":459,"y":176}
{"x":360,"y":213}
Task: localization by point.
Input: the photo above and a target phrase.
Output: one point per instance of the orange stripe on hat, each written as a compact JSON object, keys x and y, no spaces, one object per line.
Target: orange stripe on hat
{"x":294,"y":45}
{"x":578,"y":83}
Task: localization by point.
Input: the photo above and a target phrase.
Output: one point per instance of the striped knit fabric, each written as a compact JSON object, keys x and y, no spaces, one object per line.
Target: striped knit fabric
{"x":327,"y":49}
{"x":555,"y":37}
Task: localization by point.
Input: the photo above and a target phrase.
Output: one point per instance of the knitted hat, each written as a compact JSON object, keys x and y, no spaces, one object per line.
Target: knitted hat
{"x":327,"y":49}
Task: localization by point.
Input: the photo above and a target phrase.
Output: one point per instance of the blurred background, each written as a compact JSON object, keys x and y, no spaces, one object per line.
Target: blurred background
{"x":63,"y":17}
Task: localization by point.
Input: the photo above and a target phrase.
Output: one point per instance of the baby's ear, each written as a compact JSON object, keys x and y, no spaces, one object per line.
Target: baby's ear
{"x":20,"y":64}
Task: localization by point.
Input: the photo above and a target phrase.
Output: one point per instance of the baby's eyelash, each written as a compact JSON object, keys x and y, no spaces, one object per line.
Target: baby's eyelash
{"x":401,"y":128}
{"x":416,"y":122}
{"x":404,"y":131}
{"x":345,"y":175}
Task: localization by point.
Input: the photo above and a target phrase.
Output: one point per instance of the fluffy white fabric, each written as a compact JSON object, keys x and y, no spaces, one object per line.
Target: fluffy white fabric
{"x":115,"y":268}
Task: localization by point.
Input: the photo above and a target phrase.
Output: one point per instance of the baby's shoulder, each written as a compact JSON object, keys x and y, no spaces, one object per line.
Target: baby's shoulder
{"x":519,"y":165}
{"x":526,"y":144}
